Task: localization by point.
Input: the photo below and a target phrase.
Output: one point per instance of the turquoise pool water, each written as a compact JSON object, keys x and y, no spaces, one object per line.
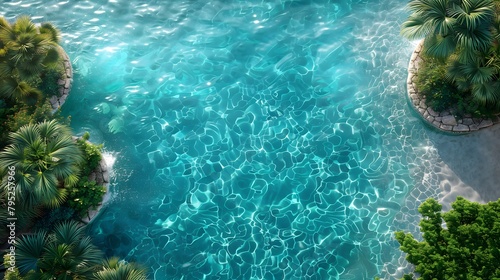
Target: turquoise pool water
{"x":251,"y":139}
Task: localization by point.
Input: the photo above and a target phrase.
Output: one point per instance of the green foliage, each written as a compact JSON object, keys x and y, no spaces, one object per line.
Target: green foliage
{"x":465,"y":35}
{"x":114,"y":269}
{"x":91,"y":154}
{"x":441,"y":93}
{"x":65,"y":251}
{"x":46,"y":160}
{"x":23,"y":115}
{"x":467,"y":248}
{"x":25,"y":48}
{"x":450,"y":25}
{"x":49,"y":79}
{"x":11,"y":272}
{"x":29,"y":61}
{"x":53,"y":217}
{"x":85,"y":196}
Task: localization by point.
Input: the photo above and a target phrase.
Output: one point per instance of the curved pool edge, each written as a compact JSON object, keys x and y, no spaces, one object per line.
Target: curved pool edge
{"x":64,"y":83}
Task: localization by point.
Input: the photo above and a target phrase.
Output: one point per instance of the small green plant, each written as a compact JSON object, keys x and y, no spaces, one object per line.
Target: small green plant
{"x":441,"y":93}
{"x":85,"y":196}
{"x":48,"y":84}
{"x":23,"y":115}
{"x":91,"y":154}
{"x":11,"y":271}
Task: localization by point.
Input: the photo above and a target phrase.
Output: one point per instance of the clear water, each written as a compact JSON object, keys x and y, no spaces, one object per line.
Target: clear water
{"x":252,"y":139}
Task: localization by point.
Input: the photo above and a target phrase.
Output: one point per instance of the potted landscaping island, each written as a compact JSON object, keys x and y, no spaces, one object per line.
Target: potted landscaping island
{"x":52,"y":182}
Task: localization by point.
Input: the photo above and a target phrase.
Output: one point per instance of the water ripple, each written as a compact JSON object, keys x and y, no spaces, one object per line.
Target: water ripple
{"x":254,"y":140}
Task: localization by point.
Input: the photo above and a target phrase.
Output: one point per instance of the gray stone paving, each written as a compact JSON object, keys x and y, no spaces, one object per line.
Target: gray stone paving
{"x":444,"y":120}
{"x":64,"y":83}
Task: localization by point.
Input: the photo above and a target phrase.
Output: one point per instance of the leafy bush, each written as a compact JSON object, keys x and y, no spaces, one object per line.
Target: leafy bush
{"x":23,"y":115}
{"x":91,"y":154}
{"x":85,"y":196}
{"x":48,"y":84}
{"x":11,"y":272}
{"x":466,"y":248}
{"x":441,"y":93}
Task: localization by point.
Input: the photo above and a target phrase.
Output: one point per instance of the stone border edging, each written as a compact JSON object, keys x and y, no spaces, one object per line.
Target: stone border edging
{"x":65,"y":83}
{"x":444,"y":120}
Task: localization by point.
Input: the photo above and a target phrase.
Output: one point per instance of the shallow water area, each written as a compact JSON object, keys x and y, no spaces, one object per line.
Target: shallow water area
{"x":257,"y":139}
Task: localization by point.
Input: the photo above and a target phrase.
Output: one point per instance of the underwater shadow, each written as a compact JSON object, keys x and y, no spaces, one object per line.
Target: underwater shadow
{"x":473,"y":158}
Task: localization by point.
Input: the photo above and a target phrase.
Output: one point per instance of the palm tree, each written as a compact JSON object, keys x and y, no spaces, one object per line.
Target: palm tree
{"x":28,"y":46}
{"x":464,"y":33}
{"x":64,"y":254}
{"x":114,"y":269}
{"x":13,"y":88}
{"x":46,"y":160}
{"x":26,"y":50}
{"x":448,"y":25}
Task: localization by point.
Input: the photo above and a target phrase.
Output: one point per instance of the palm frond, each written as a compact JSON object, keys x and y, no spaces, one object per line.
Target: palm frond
{"x":4,"y":24}
{"x":56,"y":261}
{"x":72,"y":179}
{"x":486,"y":93}
{"x":45,"y":187}
{"x":6,"y":68}
{"x":87,"y":253}
{"x":439,"y":46}
{"x":69,"y":232}
{"x":23,"y":24}
{"x":49,"y":29}
{"x":478,"y":74}
{"x":479,"y":39}
{"x":13,"y":88}
{"x":114,"y":269}
{"x":58,"y":199}
{"x":29,"y":250}
{"x":46,"y":156}
{"x":51,"y":57}
{"x":415,"y":28}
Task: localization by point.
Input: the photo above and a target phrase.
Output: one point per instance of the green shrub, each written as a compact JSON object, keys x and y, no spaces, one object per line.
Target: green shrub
{"x":48,"y":84}
{"x":466,"y":247}
{"x":11,"y":272}
{"x":441,"y":93}
{"x":85,"y":196}
{"x":91,"y":154}
{"x":23,"y":115}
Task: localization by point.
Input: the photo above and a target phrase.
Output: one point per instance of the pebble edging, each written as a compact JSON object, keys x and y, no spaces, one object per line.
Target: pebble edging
{"x":56,"y":101}
{"x":445,"y":120}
